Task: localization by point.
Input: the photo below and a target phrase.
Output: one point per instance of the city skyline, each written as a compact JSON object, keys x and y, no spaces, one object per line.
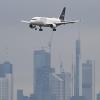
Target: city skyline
{"x":17,"y":42}
{"x":42,"y":62}
{"x":42,"y":66}
{"x":48,"y":84}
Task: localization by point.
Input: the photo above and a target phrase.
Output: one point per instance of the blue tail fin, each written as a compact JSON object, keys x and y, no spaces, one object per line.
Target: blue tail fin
{"x":62,"y":16}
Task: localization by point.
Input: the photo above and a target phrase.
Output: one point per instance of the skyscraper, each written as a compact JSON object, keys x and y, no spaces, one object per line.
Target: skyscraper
{"x":20,"y":94}
{"x":66,"y":77}
{"x":68,"y":86}
{"x":87,"y":82}
{"x":6,"y":81}
{"x":41,"y":74}
{"x":57,"y":87}
{"x":98,"y":96}
{"x":25,"y":98}
{"x":76,"y":69}
{"x":77,"y":74}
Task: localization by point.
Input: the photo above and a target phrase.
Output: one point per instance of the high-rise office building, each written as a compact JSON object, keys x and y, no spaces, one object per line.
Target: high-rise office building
{"x":77,"y":70}
{"x":98,"y":96}
{"x":68,"y":86}
{"x":6,"y":81}
{"x":26,"y":98}
{"x":77,"y":74}
{"x":57,"y":87}
{"x":20,"y":94}
{"x":41,"y":74}
{"x":32,"y":97}
{"x":66,"y":76}
{"x":87,"y":82}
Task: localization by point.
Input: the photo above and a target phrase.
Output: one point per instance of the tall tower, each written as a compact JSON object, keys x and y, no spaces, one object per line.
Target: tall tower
{"x":76,"y":69}
{"x":6,"y":81}
{"x":41,"y":74}
{"x":87,"y":80}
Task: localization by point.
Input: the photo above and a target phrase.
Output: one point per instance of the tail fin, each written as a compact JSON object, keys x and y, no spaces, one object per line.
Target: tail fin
{"x":62,"y":16}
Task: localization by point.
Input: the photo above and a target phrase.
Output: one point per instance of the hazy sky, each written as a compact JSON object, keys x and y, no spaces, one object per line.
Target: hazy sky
{"x":17,"y":41}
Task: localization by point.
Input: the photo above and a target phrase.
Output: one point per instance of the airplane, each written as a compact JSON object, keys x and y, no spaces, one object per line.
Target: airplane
{"x":48,"y":22}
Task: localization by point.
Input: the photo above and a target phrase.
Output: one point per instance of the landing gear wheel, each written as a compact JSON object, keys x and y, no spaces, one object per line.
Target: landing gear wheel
{"x":54,"y":29}
{"x":35,"y":28}
{"x":40,"y":29}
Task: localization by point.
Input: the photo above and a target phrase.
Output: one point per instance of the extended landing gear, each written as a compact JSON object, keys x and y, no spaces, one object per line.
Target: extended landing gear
{"x":40,"y":29}
{"x":35,"y":28}
{"x":54,"y":29}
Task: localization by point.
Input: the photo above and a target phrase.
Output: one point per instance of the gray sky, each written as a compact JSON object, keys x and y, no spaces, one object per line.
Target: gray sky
{"x":22,"y":41}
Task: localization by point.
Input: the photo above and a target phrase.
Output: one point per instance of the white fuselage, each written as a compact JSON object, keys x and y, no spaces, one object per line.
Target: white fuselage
{"x":44,"y":21}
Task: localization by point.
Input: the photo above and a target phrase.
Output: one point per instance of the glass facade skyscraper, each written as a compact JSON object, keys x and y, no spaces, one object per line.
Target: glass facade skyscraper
{"x":6,"y":81}
{"x":87,"y":82}
{"x":66,"y":77}
{"x":98,"y":96}
{"x":76,"y":69}
{"x":57,"y":87}
{"x":41,"y":74}
{"x":20,"y":94}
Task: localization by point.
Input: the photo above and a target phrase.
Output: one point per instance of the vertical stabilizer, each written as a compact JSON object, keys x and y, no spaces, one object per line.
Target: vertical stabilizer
{"x":62,"y":16}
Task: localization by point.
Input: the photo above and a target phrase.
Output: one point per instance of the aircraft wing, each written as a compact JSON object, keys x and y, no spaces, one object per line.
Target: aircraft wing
{"x":23,"y":21}
{"x":67,"y":22}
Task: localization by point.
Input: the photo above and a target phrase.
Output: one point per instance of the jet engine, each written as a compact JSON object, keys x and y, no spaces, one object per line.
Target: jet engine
{"x":53,"y":26}
{"x":32,"y":26}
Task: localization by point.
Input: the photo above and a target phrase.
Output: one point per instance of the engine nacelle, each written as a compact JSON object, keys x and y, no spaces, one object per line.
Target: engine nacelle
{"x":32,"y":26}
{"x":53,"y":25}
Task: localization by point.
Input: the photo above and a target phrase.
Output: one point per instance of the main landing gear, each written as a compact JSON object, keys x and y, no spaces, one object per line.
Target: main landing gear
{"x":54,"y":29}
{"x":35,"y":28}
{"x":40,"y":29}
